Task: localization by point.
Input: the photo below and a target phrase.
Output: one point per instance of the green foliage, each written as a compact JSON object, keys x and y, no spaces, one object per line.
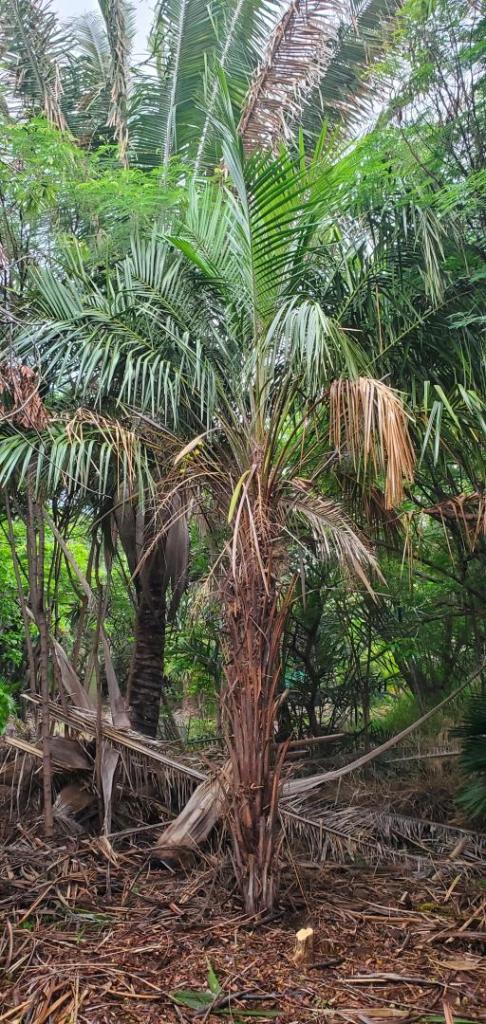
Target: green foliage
{"x":473,"y":735}
{"x":77,"y":207}
{"x":12,"y":666}
{"x":6,"y":705}
{"x":203,"y":1001}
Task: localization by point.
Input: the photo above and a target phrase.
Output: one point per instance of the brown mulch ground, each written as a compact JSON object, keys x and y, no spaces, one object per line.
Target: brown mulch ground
{"x":91,"y":939}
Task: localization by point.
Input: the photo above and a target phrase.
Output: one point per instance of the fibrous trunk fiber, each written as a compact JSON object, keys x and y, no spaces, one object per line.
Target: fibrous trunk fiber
{"x":254,"y":619}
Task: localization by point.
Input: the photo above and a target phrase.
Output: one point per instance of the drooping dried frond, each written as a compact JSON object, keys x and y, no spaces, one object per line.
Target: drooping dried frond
{"x":369,"y":424}
{"x":150,"y":752}
{"x":333,"y":533}
{"x":297,"y":49}
{"x":468,"y":511}
{"x":351,"y":833}
{"x":118,"y":439}
{"x":20,"y":401}
{"x":368,"y":504}
{"x":348,"y":89}
{"x":115,"y":15}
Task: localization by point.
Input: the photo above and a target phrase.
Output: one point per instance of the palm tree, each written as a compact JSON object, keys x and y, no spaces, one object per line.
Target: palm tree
{"x":233,"y":330}
{"x":267,"y":466}
{"x":214,"y":333}
{"x":99,"y":453}
{"x":274,"y":56}
{"x":154,"y":117}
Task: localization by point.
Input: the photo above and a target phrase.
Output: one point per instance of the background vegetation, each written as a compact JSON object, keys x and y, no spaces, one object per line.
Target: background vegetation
{"x":183,"y":274}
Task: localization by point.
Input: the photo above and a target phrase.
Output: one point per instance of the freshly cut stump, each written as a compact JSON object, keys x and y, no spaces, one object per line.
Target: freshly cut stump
{"x":304,"y":946}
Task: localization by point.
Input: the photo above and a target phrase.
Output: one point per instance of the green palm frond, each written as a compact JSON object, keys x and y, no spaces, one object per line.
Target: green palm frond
{"x":242,"y":32}
{"x":182,"y":39}
{"x":33,"y":51}
{"x":85,"y":454}
{"x":131,"y":344}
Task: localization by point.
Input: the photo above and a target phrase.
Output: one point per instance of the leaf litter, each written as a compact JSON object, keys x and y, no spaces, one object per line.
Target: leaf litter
{"x":88,"y":937}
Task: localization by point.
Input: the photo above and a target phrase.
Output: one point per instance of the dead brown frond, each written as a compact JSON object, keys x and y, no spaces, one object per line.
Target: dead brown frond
{"x":69,"y":679}
{"x":468,"y":511}
{"x":66,"y":754}
{"x":118,"y":437}
{"x":298,"y":47}
{"x":193,"y":825}
{"x":20,"y":401}
{"x":365,"y":834}
{"x":334,"y":534}
{"x":70,"y":801}
{"x":369,"y":424}
{"x":368,"y":504}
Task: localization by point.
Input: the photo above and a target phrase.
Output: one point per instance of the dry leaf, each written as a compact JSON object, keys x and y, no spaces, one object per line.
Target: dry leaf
{"x":460,"y":963}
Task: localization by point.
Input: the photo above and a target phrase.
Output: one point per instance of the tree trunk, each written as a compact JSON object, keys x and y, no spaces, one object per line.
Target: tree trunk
{"x":147,"y":670}
{"x":314,"y":728}
{"x":36,"y":565}
{"x":254,"y":618}
{"x":138,"y":534}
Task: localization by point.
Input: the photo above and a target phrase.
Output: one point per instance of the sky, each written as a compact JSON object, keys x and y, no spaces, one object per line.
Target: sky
{"x":143,"y":15}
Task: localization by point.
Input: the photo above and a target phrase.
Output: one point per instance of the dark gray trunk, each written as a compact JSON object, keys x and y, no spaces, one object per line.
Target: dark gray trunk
{"x":137,"y":533}
{"x":147,"y":672}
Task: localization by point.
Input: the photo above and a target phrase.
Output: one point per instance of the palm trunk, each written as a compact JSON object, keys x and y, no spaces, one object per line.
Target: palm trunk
{"x":254,"y":625}
{"x":147,"y":670}
{"x":146,"y":678}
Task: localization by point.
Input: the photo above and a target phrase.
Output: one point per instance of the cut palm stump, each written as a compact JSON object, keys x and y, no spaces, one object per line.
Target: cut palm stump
{"x":304,"y":947}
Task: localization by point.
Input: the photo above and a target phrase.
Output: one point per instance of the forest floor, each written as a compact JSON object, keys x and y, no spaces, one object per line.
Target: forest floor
{"x":92,"y":937}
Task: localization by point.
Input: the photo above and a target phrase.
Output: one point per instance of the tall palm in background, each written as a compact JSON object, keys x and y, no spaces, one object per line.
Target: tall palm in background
{"x":275,"y":57}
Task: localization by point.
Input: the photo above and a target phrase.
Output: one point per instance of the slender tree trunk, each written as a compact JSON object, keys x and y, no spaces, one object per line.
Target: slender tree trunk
{"x":147,"y":670}
{"x":255,"y":618}
{"x":36,"y":560}
{"x":311,"y":711}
